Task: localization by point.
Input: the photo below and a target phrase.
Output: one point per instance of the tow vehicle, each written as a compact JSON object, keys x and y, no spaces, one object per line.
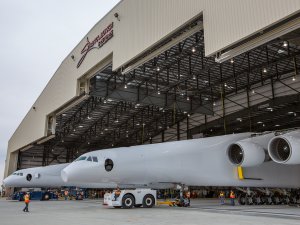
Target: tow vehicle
{"x":131,"y":198}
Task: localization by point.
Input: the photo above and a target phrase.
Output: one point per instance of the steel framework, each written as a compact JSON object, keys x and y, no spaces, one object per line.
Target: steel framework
{"x":163,"y":94}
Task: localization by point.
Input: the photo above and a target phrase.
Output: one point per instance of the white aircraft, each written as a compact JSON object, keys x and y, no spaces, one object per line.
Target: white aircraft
{"x":267,"y":160}
{"x":47,"y":176}
{"x":237,"y":160}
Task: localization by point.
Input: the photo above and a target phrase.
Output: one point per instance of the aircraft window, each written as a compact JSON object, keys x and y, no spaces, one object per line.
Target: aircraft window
{"x":14,"y":173}
{"x":89,"y":158}
{"x":81,"y":158}
{"x":21,"y":174}
{"x":109,"y":164}
{"x":95,"y":159}
{"x":29,"y":177}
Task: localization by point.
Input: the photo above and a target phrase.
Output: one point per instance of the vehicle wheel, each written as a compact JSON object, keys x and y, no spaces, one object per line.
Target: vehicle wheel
{"x":148,"y":201}
{"x":138,"y":205}
{"x":127,"y":202}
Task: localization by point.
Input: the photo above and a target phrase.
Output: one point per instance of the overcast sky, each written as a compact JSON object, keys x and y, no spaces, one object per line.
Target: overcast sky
{"x":35,"y":37}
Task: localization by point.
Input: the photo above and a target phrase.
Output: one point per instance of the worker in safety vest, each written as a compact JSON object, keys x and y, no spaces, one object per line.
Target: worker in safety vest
{"x":117,"y":193}
{"x":222,"y":197}
{"x":26,"y":200}
{"x":232,"y":197}
{"x":188,"y":197}
{"x":66,"y":194}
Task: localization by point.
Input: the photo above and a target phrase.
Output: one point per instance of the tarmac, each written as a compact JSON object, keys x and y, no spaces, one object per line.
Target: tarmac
{"x":86,"y":212}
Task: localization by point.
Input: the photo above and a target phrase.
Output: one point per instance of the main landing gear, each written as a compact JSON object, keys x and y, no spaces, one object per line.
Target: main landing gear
{"x":260,"y":196}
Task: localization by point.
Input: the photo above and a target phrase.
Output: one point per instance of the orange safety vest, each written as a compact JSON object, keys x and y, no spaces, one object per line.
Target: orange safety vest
{"x":232,"y":195}
{"x":26,"y":199}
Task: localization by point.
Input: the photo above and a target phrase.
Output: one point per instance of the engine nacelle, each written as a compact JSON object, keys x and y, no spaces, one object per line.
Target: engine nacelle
{"x":285,"y":148}
{"x":249,"y":152}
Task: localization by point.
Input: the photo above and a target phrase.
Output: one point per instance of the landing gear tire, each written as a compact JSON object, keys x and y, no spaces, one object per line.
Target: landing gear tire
{"x":293,"y":200}
{"x":262,"y":200}
{"x":249,"y":200}
{"x":268,"y":201}
{"x":127,"y":202}
{"x":285,"y":200}
{"x":148,"y":201}
{"x":257,"y":201}
{"x":242,"y":200}
{"x":276,"y":201}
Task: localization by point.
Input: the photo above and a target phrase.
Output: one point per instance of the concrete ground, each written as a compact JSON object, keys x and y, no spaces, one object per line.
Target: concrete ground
{"x":88,"y":212}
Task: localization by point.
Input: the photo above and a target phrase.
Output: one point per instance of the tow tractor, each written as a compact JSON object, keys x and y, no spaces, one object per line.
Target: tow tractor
{"x":131,"y":198}
{"x":146,"y":198}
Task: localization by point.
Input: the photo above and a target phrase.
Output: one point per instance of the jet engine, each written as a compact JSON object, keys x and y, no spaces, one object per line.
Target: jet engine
{"x":250,"y":152}
{"x":285,"y":148}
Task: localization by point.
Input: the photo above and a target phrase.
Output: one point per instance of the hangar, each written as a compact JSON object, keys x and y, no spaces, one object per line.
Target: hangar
{"x":157,"y":71}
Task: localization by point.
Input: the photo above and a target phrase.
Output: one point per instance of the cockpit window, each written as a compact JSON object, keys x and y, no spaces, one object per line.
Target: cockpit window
{"x":109,"y":164}
{"x":81,"y":158}
{"x":17,"y":174}
{"x":89,"y":158}
{"x":95,"y":159}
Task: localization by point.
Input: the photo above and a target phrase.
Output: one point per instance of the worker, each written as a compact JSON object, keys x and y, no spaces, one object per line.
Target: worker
{"x":204,"y":193}
{"x":232,"y":197}
{"x":66,"y":193}
{"x":188,"y":197}
{"x":222,"y":198}
{"x":117,"y":193}
{"x":26,"y":200}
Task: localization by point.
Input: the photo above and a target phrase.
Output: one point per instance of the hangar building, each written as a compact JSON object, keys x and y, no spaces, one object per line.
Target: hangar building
{"x":163,"y":70}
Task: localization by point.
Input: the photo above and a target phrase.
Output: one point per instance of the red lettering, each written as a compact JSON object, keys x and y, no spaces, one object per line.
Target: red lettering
{"x":101,"y":39}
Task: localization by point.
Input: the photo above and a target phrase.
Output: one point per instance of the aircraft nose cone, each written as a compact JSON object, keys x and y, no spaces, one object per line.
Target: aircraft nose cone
{"x":64,"y":176}
{"x":8,"y":181}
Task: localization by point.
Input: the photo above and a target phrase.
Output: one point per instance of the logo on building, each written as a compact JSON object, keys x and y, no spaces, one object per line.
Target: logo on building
{"x":97,"y":43}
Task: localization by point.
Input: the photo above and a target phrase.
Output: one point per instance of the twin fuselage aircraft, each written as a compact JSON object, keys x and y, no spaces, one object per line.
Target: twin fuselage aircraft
{"x":267,"y":160}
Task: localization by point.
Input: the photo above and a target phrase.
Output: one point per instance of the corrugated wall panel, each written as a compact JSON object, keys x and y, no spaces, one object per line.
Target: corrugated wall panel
{"x":143,"y":23}
{"x":226,"y":22}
